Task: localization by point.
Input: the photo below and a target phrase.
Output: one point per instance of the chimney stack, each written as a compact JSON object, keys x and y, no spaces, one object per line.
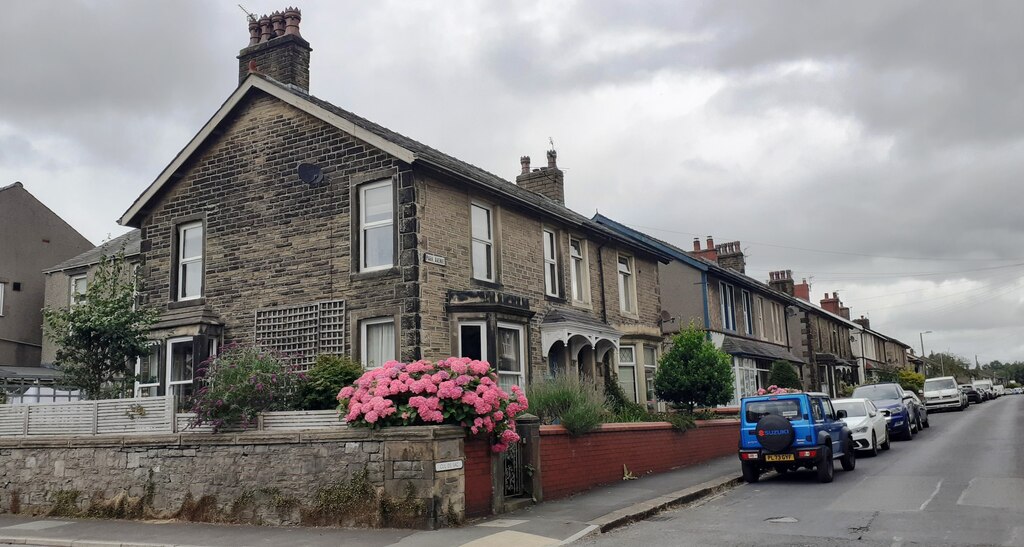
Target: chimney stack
{"x":547,"y":181}
{"x":802,"y":290}
{"x":730,"y":255}
{"x":710,"y":253}
{"x":832,"y":304}
{"x":863,"y":321}
{"x":782,"y":281}
{"x":276,"y":49}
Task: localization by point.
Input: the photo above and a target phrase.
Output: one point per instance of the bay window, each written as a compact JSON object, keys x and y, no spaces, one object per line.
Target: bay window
{"x":627,"y":371}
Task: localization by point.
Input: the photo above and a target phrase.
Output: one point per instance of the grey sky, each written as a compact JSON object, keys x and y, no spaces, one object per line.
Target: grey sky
{"x":869,"y":130}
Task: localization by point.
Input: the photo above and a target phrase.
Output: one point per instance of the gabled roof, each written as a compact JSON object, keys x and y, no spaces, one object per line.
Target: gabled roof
{"x":671,"y":250}
{"x":130,"y":242}
{"x":400,"y":146}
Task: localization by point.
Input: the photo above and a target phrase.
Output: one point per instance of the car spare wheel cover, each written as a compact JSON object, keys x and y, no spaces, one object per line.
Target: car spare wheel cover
{"x":774,"y":433}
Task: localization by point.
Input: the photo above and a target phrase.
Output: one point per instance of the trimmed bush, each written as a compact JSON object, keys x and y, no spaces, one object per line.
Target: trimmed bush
{"x":784,"y":375}
{"x":694,"y":372}
{"x":329,"y":374}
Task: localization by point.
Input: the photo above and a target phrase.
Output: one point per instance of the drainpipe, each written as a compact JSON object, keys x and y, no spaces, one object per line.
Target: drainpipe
{"x":600,"y":273}
{"x":707,"y":311}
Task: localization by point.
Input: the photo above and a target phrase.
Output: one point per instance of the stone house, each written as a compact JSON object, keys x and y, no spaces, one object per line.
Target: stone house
{"x":67,"y":281}
{"x":743,"y":316}
{"x":32,"y":237}
{"x":295,"y":224}
{"x":874,"y":350}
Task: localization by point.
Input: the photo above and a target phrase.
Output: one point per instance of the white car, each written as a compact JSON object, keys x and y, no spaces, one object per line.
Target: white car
{"x":943,"y":393}
{"x":866,"y":423}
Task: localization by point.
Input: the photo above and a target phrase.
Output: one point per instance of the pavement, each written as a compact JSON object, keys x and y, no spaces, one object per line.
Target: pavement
{"x":550,"y":523}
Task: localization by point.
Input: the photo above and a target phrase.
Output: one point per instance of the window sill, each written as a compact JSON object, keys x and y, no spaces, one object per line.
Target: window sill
{"x":375,"y":274}
{"x":486,"y":284}
{"x":582,"y":304}
{"x":556,"y":299}
{"x":178,"y":304}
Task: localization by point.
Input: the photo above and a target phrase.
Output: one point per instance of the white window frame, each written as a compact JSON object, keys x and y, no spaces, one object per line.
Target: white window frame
{"x":748,"y":311}
{"x":72,"y":301}
{"x":182,"y":260}
{"x":579,"y":272}
{"x":364,"y":226}
{"x":627,"y":284}
{"x":650,"y":370}
{"x":363,"y":324}
{"x":627,"y":364}
{"x":778,"y":314}
{"x":3,"y":286}
{"x":525,"y":358}
{"x":759,"y":308}
{"x":488,"y":242}
{"x":168,"y":346}
{"x":550,"y":248}
{"x":727,"y":294}
{"x":138,"y":370}
{"x":483,"y":337}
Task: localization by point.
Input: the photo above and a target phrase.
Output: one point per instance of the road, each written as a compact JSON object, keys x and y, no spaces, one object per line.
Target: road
{"x":960,"y":482}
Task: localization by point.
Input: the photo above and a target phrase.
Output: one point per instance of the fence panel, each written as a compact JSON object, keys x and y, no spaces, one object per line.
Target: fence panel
{"x":12,"y":419}
{"x":61,"y":418}
{"x":301,"y":419}
{"x":142,"y":415}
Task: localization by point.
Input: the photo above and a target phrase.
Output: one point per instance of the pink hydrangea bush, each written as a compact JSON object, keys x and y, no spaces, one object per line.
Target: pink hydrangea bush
{"x":457,"y":390}
{"x":776,"y":390}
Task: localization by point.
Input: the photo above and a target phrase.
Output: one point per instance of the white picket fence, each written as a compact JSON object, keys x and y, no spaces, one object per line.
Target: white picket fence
{"x":136,"y":416}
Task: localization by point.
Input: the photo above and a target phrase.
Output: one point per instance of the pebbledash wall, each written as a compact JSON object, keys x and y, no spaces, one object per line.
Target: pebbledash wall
{"x":575,"y":464}
{"x":351,"y":477}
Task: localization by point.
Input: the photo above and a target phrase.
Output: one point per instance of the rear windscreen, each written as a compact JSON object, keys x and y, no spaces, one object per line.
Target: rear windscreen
{"x":787,"y":408}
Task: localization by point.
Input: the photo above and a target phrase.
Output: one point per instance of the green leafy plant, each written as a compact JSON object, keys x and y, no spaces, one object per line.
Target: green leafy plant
{"x":693,"y":372}
{"x":910,"y":380}
{"x":329,"y":374}
{"x":577,"y":404}
{"x":784,"y":375}
{"x":241,"y":382}
{"x":100,"y":337}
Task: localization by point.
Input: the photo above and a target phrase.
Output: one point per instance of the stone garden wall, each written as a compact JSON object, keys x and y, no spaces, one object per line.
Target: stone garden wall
{"x":352,"y":477}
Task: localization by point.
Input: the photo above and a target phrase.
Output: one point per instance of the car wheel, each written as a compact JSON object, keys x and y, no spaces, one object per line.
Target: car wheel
{"x":826,"y":467}
{"x":926,"y":423}
{"x":908,"y":433}
{"x":873,"y":449}
{"x":888,"y":443}
{"x":751,"y":473}
{"x":962,"y":407}
{"x":849,"y":459}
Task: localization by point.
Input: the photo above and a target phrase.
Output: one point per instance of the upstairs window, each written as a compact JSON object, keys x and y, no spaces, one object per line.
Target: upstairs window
{"x":376,"y":226}
{"x":2,"y":286}
{"x":550,"y":264}
{"x":77,"y":288}
{"x":190,"y":261}
{"x":728,"y":306}
{"x":483,"y":242}
{"x":759,"y":310}
{"x":778,"y":321}
{"x":627,"y":287}
{"x":579,"y":279}
{"x":748,"y":313}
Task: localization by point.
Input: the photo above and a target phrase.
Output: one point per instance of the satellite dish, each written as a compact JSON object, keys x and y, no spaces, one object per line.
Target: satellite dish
{"x":311,"y":174}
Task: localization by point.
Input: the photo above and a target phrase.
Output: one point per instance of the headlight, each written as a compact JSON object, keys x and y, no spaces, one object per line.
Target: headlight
{"x":861,"y":429}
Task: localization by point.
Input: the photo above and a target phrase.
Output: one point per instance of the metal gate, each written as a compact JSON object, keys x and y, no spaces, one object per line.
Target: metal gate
{"x":514,"y":470}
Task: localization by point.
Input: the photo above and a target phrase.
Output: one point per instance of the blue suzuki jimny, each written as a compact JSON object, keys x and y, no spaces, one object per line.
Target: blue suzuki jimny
{"x":788,"y":431}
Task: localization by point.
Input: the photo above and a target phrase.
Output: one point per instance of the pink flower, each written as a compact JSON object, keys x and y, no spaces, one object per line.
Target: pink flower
{"x":346,"y":393}
{"x":479,"y":367}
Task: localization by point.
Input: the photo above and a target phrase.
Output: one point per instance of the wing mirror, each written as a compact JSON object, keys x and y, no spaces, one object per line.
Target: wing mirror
{"x":840,"y":414}
{"x":873,"y":414}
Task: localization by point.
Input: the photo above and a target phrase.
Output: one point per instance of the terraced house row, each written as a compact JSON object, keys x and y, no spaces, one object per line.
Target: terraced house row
{"x":292,"y":223}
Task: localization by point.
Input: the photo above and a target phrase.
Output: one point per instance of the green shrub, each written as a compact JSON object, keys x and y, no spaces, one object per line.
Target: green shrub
{"x":784,"y":375}
{"x":910,"y":380}
{"x":239,"y":383}
{"x":329,"y":374}
{"x":694,"y":372}
{"x":567,"y":400}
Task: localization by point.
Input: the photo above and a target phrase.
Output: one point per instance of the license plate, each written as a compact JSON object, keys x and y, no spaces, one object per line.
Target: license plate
{"x":778,"y":457}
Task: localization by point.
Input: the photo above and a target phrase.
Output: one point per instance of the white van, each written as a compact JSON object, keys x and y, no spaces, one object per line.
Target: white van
{"x":984,"y":387}
{"x":943,"y":392}
{"x":999,"y":389}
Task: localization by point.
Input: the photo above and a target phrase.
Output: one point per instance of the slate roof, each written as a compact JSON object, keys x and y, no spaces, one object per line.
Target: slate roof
{"x":472,"y":173}
{"x":559,"y":315}
{"x":129,"y":241}
{"x":742,"y":346}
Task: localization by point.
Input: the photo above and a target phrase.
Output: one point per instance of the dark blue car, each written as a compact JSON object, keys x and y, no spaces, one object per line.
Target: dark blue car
{"x":894,"y":404}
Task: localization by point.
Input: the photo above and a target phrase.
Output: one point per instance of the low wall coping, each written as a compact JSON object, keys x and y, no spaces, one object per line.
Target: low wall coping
{"x":635,"y":426}
{"x":398,"y":433}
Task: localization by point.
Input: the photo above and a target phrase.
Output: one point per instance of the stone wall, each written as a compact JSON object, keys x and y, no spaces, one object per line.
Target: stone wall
{"x":355,"y":477}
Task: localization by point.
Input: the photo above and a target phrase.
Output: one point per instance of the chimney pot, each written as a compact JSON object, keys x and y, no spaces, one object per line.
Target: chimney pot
{"x":524,"y":162}
{"x":292,"y":17}
{"x":835,"y":295}
{"x":254,"y":31}
{"x":552,"y":155}
{"x":696,"y":244}
{"x":266,"y":30}
{"x":277,"y":20}
{"x":711,"y":243}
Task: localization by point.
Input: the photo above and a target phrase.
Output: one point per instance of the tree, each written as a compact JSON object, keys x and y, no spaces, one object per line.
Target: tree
{"x":693,"y":372}
{"x":783,"y":375}
{"x":101,"y":336}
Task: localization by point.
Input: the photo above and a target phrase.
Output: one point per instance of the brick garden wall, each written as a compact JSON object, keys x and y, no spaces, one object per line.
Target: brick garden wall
{"x":574,"y":464}
{"x":478,"y":477}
